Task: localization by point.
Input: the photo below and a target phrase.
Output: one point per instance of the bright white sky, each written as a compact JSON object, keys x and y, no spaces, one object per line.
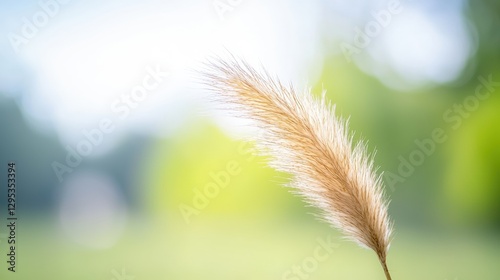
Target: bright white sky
{"x":92,"y":52}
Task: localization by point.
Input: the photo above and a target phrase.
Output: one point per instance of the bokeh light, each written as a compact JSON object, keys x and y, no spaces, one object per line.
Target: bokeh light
{"x":125,"y":167}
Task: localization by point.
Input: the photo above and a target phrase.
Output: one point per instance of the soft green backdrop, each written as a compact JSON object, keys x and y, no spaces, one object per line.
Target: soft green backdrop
{"x":249,"y":226}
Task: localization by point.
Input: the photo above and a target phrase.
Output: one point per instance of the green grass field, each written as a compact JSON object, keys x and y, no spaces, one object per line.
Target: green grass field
{"x":246,"y":250}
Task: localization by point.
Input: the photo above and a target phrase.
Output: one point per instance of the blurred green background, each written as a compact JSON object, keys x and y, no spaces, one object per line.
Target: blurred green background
{"x":174,"y":193}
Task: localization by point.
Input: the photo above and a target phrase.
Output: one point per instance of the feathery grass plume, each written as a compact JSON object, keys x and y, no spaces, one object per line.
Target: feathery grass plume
{"x":304,"y":138}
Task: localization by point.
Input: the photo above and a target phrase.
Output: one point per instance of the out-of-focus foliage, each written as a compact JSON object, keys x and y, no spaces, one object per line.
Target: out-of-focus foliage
{"x":202,"y":173}
{"x":249,"y":226}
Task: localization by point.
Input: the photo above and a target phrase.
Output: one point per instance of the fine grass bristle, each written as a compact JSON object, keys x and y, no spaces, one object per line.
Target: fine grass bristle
{"x":304,"y":137}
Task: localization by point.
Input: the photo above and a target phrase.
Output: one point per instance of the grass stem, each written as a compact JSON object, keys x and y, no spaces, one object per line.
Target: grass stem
{"x":386,"y":270}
